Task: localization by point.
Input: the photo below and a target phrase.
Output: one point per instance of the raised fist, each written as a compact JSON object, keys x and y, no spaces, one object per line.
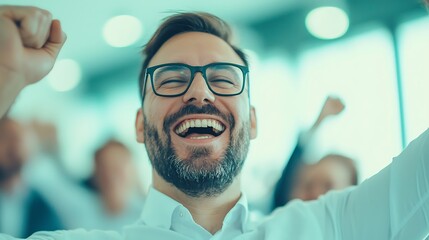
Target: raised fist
{"x":29,"y":44}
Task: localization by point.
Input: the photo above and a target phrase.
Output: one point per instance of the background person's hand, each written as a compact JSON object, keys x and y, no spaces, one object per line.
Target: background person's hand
{"x":29,"y":43}
{"x":332,"y":106}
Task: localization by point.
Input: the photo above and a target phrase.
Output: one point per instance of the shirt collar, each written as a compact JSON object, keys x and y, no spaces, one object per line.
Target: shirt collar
{"x":155,"y":216}
{"x":238,"y":215}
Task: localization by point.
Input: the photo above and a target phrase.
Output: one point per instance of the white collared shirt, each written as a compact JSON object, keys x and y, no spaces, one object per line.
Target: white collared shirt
{"x":13,"y":208}
{"x":171,"y":220}
{"x":393,"y":204}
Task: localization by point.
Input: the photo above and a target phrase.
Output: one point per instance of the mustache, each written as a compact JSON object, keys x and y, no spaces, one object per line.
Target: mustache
{"x":192,"y":109}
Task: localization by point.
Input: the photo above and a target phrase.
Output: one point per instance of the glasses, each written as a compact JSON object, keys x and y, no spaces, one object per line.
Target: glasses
{"x":174,"y":79}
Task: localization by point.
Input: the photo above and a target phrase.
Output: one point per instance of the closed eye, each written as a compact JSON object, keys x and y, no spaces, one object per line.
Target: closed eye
{"x":222,"y":83}
{"x":172,"y":83}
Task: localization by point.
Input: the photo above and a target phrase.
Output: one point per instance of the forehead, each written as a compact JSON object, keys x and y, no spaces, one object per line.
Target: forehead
{"x":195,"y":48}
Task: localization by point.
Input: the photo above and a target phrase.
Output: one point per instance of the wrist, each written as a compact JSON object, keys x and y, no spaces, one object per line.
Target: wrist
{"x":10,"y":86}
{"x":11,"y":81}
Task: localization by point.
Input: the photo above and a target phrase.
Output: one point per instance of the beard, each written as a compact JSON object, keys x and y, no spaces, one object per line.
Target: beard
{"x":197,"y":175}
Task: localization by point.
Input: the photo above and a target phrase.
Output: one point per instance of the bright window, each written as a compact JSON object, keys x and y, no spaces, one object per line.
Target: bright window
{"x":360,"y":70}
{"x":414,"y":51}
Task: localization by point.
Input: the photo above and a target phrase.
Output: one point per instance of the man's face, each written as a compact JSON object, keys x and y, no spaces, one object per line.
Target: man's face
{"x":205,"y":160}
{"x":113,"y":170}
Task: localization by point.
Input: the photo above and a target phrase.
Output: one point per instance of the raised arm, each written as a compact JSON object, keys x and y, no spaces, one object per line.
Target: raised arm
{"x":29,"y":44}
{"x":332,"y":106}
{"x":284,"y":186}
{"x":393,"y":204}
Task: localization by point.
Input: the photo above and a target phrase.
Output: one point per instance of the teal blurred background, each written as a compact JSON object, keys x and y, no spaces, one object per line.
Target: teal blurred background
{"x":376,"y":61}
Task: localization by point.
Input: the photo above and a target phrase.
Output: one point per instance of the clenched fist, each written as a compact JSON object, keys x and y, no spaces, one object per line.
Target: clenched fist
{"x":29,"y":43}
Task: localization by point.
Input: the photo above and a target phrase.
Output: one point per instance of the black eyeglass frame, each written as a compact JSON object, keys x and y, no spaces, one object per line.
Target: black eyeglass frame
{"x":194,"y":69}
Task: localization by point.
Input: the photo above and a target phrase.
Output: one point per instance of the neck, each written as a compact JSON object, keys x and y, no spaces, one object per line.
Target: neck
{"x":114,"y":202}
{"x":113,"y":195}
{"x":208,"y":212}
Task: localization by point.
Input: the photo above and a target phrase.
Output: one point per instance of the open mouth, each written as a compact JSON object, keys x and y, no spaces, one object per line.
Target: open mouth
{"x":193,"y":127}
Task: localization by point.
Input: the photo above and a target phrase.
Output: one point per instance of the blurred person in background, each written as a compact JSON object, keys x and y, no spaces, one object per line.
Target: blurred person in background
{"x":47,"y":143}
{"x":109,"y":199}
{"x":332,"y":172}
{"x":23,"y":208}
{"x":116,"y":191}
{"x":301,"y":180}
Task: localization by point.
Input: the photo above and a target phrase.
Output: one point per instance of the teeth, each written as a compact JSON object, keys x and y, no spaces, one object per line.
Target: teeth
{"x":184,"y":126}
{"x":201,"y":137}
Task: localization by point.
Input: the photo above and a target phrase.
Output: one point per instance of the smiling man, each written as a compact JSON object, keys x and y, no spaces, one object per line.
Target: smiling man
{"x":196,"y":122}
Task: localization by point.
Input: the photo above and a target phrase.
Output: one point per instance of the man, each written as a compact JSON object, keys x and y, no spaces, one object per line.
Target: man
{"x":196,"y":122}
{"x":115,"y":194}
{"x":23,"y":209}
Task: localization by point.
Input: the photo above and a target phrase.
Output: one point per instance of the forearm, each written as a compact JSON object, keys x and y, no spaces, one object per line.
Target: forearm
{"x":410,"y":191}
{"x":10,"y":86}
{"x":284,"y":185}
{"x":393,"y":204}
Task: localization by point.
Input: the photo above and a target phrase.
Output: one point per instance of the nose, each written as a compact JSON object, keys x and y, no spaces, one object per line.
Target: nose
{"x":199,"y":93}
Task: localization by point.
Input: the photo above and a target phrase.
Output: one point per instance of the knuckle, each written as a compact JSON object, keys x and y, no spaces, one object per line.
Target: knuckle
{"x":36,"y":18}
{"x":33,"y":10}
{"x":38,"y":13}
{"x":46,"y":14}
{"x":31,"y":31}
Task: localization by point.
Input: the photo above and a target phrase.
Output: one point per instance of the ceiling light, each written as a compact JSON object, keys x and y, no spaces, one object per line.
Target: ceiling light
{"x":65,"y":75}
{"x":327,"y":22}
{"x":122,"y":31}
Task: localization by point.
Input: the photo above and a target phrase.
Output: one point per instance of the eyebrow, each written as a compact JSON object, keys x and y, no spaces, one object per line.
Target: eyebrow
{"x":171,"y":68}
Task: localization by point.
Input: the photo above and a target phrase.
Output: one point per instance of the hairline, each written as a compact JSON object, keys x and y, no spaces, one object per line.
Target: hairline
{"x":243,"y":62}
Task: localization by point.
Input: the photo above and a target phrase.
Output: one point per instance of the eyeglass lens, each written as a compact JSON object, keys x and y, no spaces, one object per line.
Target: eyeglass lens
{"x":175,"y":79}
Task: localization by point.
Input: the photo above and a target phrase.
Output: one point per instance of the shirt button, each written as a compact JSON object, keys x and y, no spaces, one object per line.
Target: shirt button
{"x":181,"y":214}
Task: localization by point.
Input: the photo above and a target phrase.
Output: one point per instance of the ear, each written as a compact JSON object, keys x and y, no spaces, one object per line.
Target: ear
{"x":139,"y":124}
{"x":253,"y":123}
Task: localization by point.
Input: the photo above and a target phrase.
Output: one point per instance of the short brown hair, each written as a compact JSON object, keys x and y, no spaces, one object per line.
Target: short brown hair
{"x":181,"y":23}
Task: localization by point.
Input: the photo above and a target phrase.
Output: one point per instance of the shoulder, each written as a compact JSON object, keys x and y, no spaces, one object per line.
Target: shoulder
{"x":419,"y":147}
